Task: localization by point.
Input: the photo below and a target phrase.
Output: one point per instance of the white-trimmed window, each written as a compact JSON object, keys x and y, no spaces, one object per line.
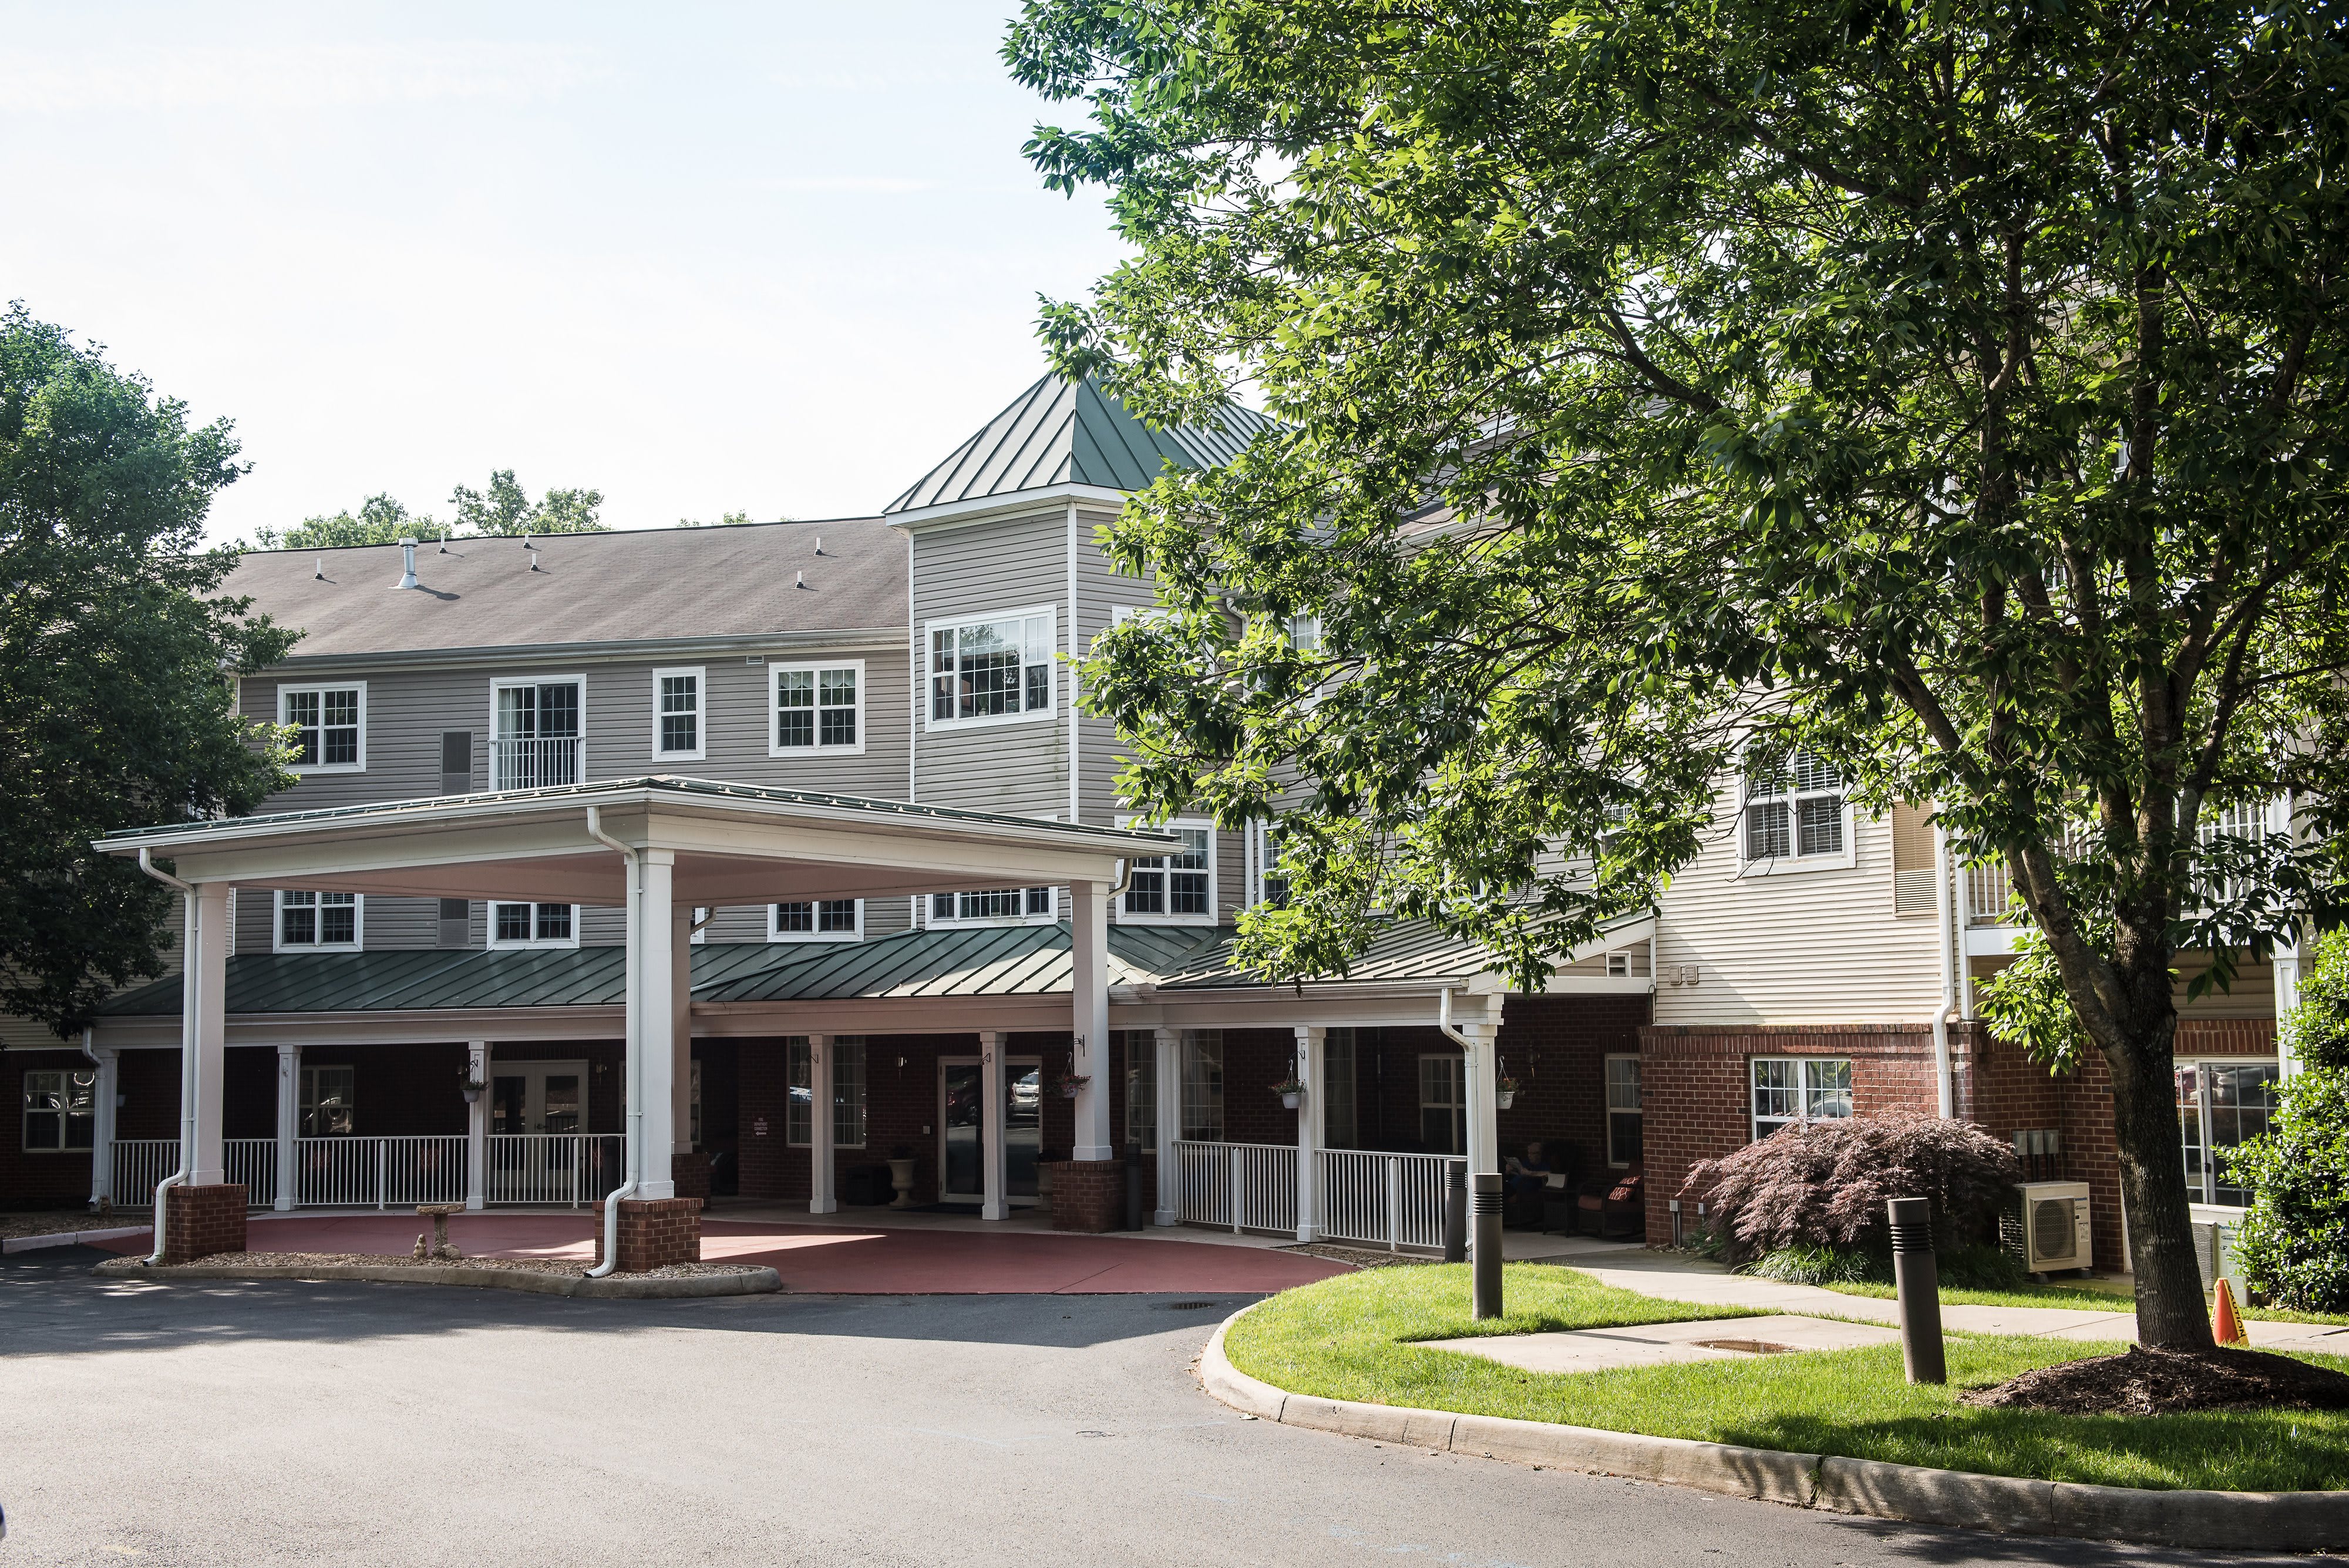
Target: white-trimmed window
{"x":1443,"y":1103}
{"x":536,"y":738}
{"x":1202,"y":1084}
{"x":1175,"y":889}
{"x":816,"y":708}
{"x":1625,"y":1121}
{"x":1789,"y":1089}
{"x":1270,"y":885}
{"x":2222,"y":1104}
{"x":995,"y":906}
{"x":679,"y":717}
{"x":1795,"y":815}
{"x":329,"y":1102}
{"x":847,"y":1092}
{"x":1138,"y":1050}
{"x":60,"y":1109}
{"x":315,"y":922}
{"x":534,"y":925}
{"x":329,"y":725}
{"x":817,"y":920}
{"x":991,"y":668}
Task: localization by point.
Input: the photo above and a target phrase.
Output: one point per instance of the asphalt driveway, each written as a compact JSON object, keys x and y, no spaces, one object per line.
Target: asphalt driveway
{"x":283,"y":1422}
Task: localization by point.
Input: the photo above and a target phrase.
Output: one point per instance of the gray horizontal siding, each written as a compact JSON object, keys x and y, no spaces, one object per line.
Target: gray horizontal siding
{"x":1002,"y":564}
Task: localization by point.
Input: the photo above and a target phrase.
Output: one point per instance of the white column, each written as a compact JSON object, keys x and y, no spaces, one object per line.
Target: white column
{"x":655,"y":1021}
{"x":1484,"y":1106}
{"x":289,"y":1123}
{"x":995,"y":1177}
{"x":1310,"y":1038}
{"x":1167,"y":1104}
{"x":1089,"y":950}
{"x":205,"y":1027}
{"x":680,"y":1016}
{"x":822,"y":1196}
{"x":101,"y":1132}
{"x":477,"y":1126}
{"x":2287,"y":997}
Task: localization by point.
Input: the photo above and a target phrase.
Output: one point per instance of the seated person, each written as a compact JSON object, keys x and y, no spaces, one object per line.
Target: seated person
{"x":1532,"y":1173}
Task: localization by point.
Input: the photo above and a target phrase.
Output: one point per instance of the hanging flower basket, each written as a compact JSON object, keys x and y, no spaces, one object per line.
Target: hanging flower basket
{"x":1289,"y":1089}
{"x":473,"y":1088}
{"x":1505,"y":1093}
{"x":1070,"y":1083}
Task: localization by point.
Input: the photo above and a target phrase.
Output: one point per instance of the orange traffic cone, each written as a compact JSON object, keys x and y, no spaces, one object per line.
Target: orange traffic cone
{"x":2225,"y":1325}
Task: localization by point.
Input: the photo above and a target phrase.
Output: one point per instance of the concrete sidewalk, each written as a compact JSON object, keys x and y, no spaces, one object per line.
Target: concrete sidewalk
{"x":1685,"y":1279}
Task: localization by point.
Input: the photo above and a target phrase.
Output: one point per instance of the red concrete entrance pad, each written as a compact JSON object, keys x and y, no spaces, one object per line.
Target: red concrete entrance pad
{"x":828,"y":1259}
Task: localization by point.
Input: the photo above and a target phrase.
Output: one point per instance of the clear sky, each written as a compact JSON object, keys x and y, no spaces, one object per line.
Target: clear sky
{"x":773,"y":258}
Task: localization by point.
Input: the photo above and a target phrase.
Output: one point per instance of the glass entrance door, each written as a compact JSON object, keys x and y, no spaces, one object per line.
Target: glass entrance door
{"x":961,"y":1130}
{"x":536,"y":1110}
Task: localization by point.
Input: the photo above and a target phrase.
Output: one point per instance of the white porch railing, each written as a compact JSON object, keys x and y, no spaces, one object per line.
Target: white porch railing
{"x":378,"y":1172}
{"x":1236,"y":1186}
{"x":576,"y":1168}
{"x":1394,"y":1200}
{"x":253,"y":1161}
{"x":534,"y":764}
{"x":140,"y":1162}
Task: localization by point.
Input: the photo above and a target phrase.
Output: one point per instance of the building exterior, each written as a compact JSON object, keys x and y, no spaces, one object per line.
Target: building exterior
{"x":1813,"y":961}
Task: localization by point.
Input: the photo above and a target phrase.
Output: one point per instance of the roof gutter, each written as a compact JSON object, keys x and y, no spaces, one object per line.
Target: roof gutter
{"x":635,"y":1050}
{"x":188,"y":1055}
{"x":887,"y":637}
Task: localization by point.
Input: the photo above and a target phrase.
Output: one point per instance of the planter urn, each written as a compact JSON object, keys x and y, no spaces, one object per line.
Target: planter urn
{"x":901,"y":1177}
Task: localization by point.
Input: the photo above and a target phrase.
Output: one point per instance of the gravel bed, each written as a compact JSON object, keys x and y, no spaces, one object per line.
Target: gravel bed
{"x":1360,"y":1257}
{"x":571,"y":1266}
{"x":53,"y":1222}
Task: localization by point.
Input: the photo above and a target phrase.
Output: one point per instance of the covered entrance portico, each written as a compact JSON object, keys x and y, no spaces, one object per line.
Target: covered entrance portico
{"x":658,"y":848}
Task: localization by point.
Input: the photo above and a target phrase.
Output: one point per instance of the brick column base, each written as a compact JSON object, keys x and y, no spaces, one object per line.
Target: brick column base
{"x":200,"y":1220}
{"x":690,"y":1170}
{"x":1087,"y":1195}
{"x":654,"y":1231}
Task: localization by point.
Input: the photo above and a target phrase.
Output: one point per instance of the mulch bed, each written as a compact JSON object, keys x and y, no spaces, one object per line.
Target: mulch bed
{"x":2145,"y":1381}
{"x":1360,"y":1257}
{"x":573,"y":1266}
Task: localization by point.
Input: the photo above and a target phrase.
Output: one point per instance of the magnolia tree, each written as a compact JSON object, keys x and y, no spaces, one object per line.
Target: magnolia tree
{"x":1954,"y":393}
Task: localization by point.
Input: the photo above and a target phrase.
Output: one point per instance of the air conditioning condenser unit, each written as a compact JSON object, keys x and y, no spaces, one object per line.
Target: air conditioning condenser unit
{"x":2049,"y":1227}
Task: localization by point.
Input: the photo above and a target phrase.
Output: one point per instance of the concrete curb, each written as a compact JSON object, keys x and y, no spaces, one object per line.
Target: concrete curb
{"x":757,"y":1281}
{"x":70,"y":1238}
{"x":2220,"y":1521}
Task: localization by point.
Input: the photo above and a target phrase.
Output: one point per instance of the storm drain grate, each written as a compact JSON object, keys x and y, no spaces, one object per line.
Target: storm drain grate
{"x":1186,"y":1306}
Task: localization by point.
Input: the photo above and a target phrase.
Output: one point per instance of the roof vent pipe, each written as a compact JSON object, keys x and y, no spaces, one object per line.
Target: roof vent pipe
{"x":802,"y":582}
{"x":819,"y":544}
{"x":444,"y":538}
{"x":533,"y":556}
{"x":319,"y":569}
{"x":406,"y":563}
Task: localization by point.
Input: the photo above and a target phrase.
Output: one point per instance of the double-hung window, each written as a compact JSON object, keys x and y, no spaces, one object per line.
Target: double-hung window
{"x":817,"y":708}
{"x":1178,"y":886}
{"x":328,"y":1104}
{"x":1793,"y":814}
{"x":679,"y":717}
{"x":308,"y":922}
{"x":2219,"y":1106}
{"x":1443,"y":1103}
{"x":329,"y":725}
{"x":1138,"y":1050}
{"x":992,"y":669}
{"x":1625,"y":1120}
{"x":533,"y":926}
{"x":1790,"y":1089}
{"x":60,"y":1109}
{"x":847,"y":1092}
{"x":994,"y":906}
{"x":816,"y":920}
{"x":536,"y":738}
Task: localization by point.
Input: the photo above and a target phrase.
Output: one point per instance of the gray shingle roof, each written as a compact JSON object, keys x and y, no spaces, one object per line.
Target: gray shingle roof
{"x":655,"y":585}
{"x":1071,"y":433}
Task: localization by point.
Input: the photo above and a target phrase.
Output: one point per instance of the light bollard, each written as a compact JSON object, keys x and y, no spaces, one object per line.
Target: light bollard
{"x":1487,"y":1271}
{"x":1916,"y":1278}
{"x":1456,"y":1210}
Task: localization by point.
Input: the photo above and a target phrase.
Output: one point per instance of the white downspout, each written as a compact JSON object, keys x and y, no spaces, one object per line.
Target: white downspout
{"x":186,"y":1053}
{"x":1471,"y":1078}
{"x":1944,"y":910}
{"x":633,"y":1047}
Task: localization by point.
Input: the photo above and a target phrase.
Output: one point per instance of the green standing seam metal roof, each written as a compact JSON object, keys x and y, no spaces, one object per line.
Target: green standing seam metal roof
{"x":996,"y":961}
{"x":1071,"y":433}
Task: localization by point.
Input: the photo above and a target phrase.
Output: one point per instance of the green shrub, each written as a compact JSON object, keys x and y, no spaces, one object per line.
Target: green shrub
{"x":2293,"y":1243}
{"x":1808,"y":1264}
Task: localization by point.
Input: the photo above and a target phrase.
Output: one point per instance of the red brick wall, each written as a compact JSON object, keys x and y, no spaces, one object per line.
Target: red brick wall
{"x":38,"y":1180}
{"x":1087,"y":1195}
{"x":200,"y":1220}
{"x":655,"y":1232}
{"x":1557,"y":1048}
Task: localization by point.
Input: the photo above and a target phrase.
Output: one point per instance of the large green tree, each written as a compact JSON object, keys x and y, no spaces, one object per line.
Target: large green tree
{"x":1955,"y":392}
{"x":505,"y":508}
{"x":118,"y":662}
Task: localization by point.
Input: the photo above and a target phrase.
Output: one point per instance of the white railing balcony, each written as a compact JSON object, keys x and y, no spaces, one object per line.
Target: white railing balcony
{"x":574,"y":1168}
{"x":1390,"y":1201}
{"x":1236,"y":1186}
{"x":378,"y":1172}
{"x":1987,"y":888}
{"x":539,"y":763}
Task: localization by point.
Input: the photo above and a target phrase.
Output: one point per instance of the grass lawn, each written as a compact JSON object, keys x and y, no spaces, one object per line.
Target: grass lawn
{"x":1353,"y":1337}
{"x":2085,"y":1297}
